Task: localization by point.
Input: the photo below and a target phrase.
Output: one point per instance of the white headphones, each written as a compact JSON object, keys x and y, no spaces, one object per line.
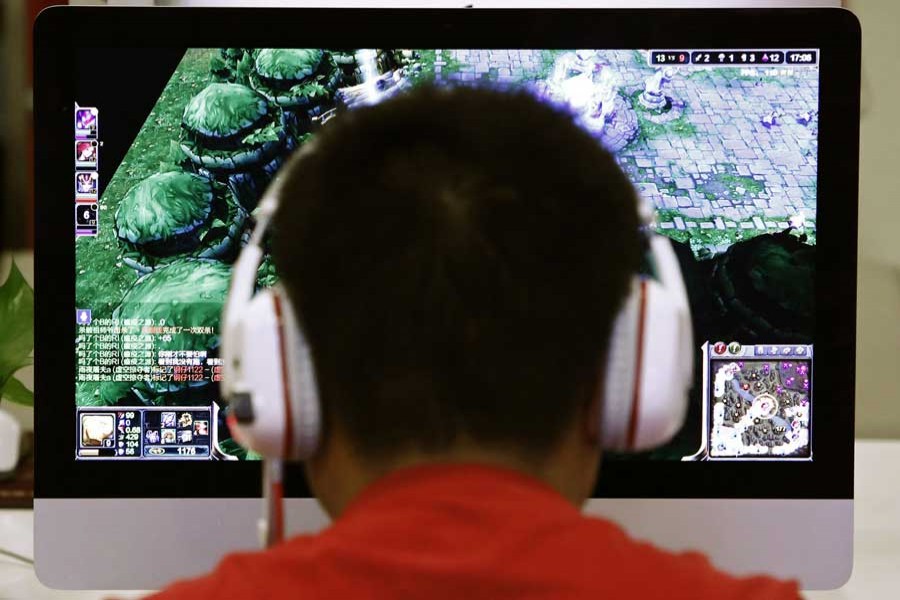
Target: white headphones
{"x":269,"y":377}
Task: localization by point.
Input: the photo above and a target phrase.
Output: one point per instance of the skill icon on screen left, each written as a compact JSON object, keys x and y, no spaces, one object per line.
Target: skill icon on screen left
{"x":85,"y":217}
{"x":86,"y":153}
{"x":86,"y":122}
{"x":86,"y":184}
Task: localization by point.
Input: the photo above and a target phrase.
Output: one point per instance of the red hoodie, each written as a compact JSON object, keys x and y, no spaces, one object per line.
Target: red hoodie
{"x":464,"y":532}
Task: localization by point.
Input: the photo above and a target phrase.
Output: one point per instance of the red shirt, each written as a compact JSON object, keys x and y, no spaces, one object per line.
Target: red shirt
{"x":466,"y":532}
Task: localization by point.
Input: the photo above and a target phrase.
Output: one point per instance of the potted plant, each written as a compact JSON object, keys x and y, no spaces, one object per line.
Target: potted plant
{"x":16,"y":346}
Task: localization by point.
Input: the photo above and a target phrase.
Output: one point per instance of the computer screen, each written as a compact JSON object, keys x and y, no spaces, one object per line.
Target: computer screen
{"x":723,"y":144}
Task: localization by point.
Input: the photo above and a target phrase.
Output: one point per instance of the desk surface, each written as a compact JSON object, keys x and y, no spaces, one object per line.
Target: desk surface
{"x":876,"y":569}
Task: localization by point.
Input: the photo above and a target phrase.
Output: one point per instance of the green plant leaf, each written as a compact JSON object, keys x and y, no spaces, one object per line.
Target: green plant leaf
{"x":230,"y":446}
{"x":269,"y":133}
{"x":113,"y":391}
{"x":310,"y":90}
{"x":243,"y":69}
{"x":176,"y":154}
{"x":16,"y":324}
{"x":217,"y":64}
{"x":17,"y":393}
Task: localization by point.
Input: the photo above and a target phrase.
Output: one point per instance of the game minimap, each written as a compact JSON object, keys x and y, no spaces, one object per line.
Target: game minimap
{"x":760,"y":407}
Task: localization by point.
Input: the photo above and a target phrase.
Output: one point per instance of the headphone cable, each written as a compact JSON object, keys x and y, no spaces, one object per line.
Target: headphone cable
{"x":272,"y":522}
{"x":19,"y":557}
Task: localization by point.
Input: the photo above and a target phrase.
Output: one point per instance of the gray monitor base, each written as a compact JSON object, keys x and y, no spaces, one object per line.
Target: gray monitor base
{"x":76,"y":548}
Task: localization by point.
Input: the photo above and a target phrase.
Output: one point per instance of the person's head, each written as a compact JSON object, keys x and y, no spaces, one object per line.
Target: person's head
{"x":457,"y":258}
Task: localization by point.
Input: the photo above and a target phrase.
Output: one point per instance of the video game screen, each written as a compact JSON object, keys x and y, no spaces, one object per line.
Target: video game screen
{"x":722,"y":144}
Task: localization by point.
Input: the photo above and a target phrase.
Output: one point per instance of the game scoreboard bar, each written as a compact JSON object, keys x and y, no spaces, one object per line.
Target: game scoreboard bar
{"x":734,"y":57}
{"x":670,"y":57}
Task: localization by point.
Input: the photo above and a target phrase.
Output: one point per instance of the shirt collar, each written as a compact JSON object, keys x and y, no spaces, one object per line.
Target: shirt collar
{"x":452,"y":480}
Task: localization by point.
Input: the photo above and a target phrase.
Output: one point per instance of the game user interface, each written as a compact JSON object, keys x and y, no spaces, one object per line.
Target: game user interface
{"x":721,"y":143}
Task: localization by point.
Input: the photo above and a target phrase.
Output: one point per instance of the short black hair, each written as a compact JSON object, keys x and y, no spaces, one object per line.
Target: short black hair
{"x":457,"y":257}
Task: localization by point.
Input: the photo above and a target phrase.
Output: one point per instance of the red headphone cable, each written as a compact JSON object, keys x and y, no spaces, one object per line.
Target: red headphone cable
{"x":272,"y":522}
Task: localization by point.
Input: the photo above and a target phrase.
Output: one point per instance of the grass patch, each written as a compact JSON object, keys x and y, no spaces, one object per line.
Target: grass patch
{"x":727,"y":185}
{"x":102,"y":279}
{"x":640,"y":60}
{"x":427,"y":58}
{"x":548,"y":61}
{"x":750,"y":184}
{"x":668,"y":187}
{"x":649,"y":130}
{"x":701,"y":240}
{"x":681,"y":127}
{"x":451,"y":65}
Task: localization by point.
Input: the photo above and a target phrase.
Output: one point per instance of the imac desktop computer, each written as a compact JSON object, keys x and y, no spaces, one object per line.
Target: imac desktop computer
{"x":159,"y":129}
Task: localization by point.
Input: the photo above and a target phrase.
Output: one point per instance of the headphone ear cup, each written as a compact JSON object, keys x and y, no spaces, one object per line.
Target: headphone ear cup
{"x":665,"y":379}
{"x":302,"y":387}
{"x":647,"y":379}
{"x":650,"y":365}
{"x":619,"y":379}
{"x":253,"y":378}
{"x":274,"y":398}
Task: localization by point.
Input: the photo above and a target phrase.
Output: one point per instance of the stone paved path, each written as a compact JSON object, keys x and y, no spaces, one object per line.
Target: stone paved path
{"x":730,"y":172}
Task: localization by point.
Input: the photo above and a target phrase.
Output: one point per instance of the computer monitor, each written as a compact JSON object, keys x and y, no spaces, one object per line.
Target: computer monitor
{"x":161,"y":128}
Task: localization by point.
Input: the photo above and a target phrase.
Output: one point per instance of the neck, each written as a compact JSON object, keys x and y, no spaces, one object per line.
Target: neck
{"x":337,"y":476}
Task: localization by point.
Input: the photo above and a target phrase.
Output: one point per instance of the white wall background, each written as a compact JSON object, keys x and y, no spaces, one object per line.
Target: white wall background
{"x":878,"y":351}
